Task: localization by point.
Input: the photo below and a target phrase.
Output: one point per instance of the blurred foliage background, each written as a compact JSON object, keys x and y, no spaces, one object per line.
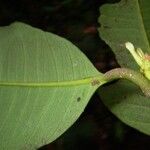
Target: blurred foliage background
{"x":76,"y":20}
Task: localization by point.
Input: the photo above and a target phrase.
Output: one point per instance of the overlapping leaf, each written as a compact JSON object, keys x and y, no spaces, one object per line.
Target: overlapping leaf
{"x":122,"y":22}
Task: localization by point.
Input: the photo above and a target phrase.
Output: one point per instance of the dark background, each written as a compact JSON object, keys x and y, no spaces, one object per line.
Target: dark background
{"x":76,"y":20}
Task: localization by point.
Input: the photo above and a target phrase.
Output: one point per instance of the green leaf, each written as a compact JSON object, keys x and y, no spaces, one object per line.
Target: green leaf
{"x":127,"y":102}
{"x":45,"y":84}
{"x":128,"y":20}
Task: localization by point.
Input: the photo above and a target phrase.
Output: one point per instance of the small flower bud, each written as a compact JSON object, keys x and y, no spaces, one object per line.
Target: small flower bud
{"x":143,"y":60}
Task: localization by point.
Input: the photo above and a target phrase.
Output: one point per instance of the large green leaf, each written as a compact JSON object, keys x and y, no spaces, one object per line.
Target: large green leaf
{"x":45,"y":84}
{"x":128,"y":20}
{"x":127,"y":102}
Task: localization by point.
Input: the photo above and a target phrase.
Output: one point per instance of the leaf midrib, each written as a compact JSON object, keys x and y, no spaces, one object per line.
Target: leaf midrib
{"x":94,"y":81}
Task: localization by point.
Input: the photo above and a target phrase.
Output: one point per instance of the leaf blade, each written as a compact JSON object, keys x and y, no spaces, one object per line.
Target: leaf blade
{"x":122,"y":22}
{"x":42,"y":76}
{"x":40,"y":45}
{"x":128,"y":104}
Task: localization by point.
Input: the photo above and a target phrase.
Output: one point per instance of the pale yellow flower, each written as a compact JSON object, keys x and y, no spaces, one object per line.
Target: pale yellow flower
{"x":143,"y":60}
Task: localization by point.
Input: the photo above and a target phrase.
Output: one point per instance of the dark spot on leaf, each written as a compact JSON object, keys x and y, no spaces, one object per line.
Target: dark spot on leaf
{"x":95,"y":82}
{"x":78,"y":99}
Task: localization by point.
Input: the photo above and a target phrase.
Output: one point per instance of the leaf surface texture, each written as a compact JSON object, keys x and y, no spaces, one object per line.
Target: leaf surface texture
{"x":45,"y":84}
{"x":128,"y":20}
